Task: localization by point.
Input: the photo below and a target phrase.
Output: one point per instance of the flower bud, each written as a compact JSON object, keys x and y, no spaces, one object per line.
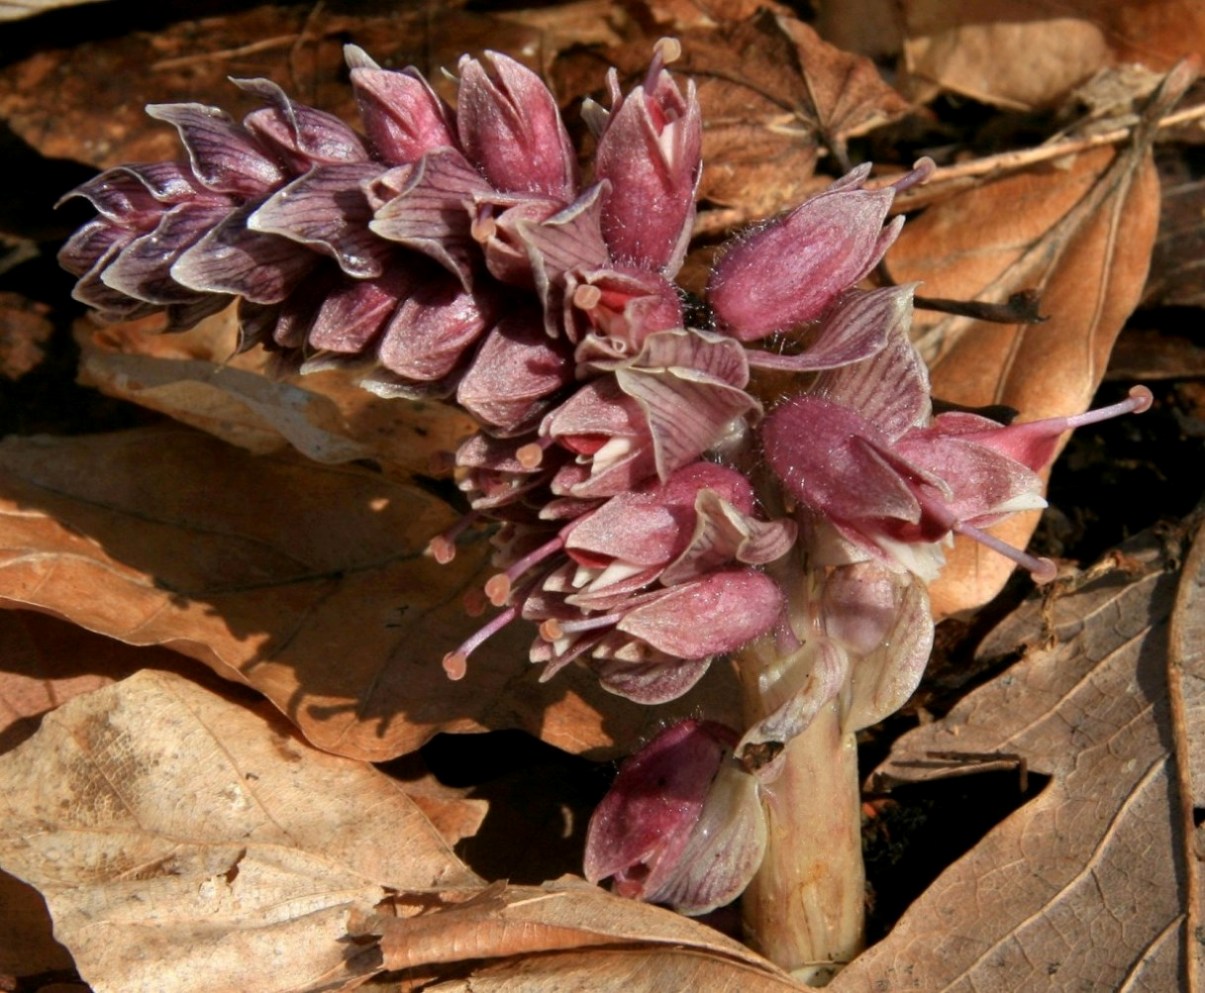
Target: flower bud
{"x":682,"y":824}
{"x":511,"y":129}
{"x":651,"y":153}
{"x":793,"y":269}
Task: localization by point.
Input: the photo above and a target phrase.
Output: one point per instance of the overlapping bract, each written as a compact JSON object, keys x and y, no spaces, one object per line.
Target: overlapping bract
{"x":458,"y":253}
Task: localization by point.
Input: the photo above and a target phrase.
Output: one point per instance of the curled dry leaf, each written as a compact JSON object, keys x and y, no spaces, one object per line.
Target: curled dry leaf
{"x":1087,"y":885}
{"x":307,"y":582}
{"x":195,"y":377}
{"x":1025,"y":54}
{"x":1186,"y":666}
{"x":570,"y":935}
{"x":183,"y":842}
{"x":45,"y":663}
{"x":1079,"y":233}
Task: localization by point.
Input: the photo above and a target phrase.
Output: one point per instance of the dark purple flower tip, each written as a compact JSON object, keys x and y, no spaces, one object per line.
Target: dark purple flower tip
{"x":300,"y":135}
{"x":791,"y":271}
{"x":225,"y":157}
{"x":681,"y":824}
{"x":511,"y":128}
{"x":327,"y":211}
{"x":425,"y":206}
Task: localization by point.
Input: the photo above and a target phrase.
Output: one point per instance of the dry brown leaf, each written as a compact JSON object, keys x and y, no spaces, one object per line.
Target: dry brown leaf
{"x":1085,"y":886}
{"x":1186,"y":694}
{"x":654,"y":970}
{"x":1178,"y":263}
{"x":1079,"y":232}
{"x":530,"y":924}
{"x":506,"y":921}
{"x":1187,"y":664}
{"x":43,"y":663}
{"x":183,"y":842}
{"x":196,"y":378}
{"x":24,"y":331}
{"x":1030,"y":53}
{"x":305,"y":581}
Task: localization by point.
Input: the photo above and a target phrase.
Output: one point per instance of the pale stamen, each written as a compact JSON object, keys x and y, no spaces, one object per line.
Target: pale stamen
{"x":442,"y":547}
{"x":498,"y":588}
{"x":456,"y":663}
{"x":1043,"y":570}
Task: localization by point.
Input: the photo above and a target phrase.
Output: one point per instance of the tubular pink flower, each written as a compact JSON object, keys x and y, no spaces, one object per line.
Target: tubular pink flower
{"x":511,"y":129}
{"x":402,"y":114}
{"x":650,"y":153}
{"x":866,"y":463}
{"x":792,"y":270}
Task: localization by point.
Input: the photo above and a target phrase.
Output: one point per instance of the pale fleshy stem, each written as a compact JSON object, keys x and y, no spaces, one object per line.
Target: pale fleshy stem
{"x":805,"y":909}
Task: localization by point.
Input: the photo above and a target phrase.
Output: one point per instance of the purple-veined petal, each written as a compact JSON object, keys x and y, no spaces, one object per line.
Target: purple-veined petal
{"x":264,"y":268}
{"x":790,"y":271}
{"x":860,"y":325}
{"x":723,"y":534}
{"x":833,"y":460}
{"x":890,"y":390}
{"x":884,"y":618}
{"x":690,"y":386}
{"x":353,"y":314}
{"x":224,"y":156}
{"x":515,"y":373}
{"x":717,"y":613}
{"x":93,"y":245}
{"x":429,"y":210}
{"x":435,"y":326}
{"x":652,"y":682}
{"x":327,"y":211}
{"x":643,"y":823}
{"x":725,"y":849}
{"x":143,"y":268}
{"x":299,"y":133}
